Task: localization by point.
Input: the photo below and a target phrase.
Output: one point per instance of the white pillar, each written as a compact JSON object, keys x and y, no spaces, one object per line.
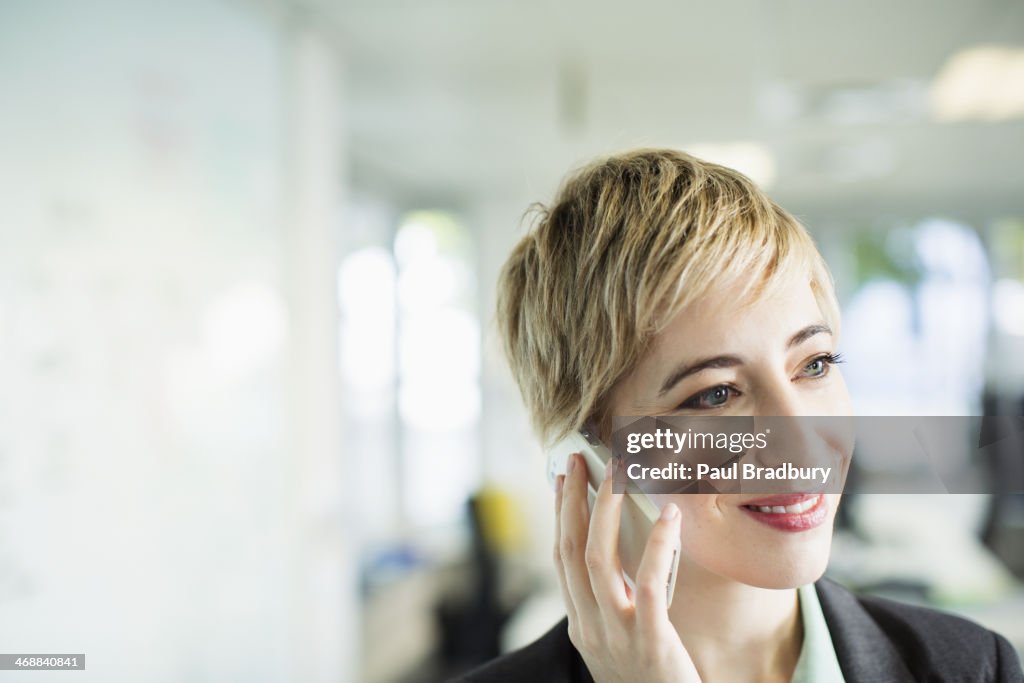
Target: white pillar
{"x":324,"y":609}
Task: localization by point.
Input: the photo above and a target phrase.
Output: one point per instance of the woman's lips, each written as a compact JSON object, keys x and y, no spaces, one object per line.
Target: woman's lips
{"x":782,"y":499}
{"x":791,"y":512}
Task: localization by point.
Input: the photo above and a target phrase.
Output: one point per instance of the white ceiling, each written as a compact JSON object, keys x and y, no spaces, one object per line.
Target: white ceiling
{"x":461,"y":100}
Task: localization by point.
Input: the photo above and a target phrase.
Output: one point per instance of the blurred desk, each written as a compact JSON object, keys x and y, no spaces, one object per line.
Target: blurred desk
{"x":399,"y":631}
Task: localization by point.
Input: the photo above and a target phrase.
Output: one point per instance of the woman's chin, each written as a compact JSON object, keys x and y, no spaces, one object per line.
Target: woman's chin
{"x":779,"y":580}
{"x":756,"y":547}
{"x":788,"y":568}
{"x":768,"y":563}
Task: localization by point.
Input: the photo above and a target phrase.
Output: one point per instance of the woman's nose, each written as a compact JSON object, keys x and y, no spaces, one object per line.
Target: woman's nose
{"x":783,"y":413}
{"x":780,"y":398}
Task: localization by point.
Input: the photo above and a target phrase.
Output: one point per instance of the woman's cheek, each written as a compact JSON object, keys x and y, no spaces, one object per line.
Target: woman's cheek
{"x":698,"y":514}
{"x":839,"y":403}
{"x":834,"y":501}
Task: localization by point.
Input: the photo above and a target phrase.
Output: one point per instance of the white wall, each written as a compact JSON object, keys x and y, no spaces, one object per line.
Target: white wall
{"x":154,"y":475}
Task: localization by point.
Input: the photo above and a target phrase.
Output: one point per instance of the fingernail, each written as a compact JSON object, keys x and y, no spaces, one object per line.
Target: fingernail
{"x":670,"y":511}
{"x":559,"y":483}
{"x":572,"y":462}
{"x":609,"y":467}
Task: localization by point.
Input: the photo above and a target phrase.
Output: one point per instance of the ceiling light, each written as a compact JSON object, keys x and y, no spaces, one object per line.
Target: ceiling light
{"x":749,"y":158}
{"x":980,"y":84}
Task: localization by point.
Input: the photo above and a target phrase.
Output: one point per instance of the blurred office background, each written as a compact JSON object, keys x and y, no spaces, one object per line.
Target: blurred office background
{"x":255,"y":424}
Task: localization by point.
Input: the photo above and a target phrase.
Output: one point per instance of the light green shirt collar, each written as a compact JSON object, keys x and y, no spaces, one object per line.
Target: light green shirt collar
{"x":818,"y":662}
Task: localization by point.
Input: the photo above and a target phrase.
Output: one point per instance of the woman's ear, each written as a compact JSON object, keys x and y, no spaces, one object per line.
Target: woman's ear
{"x":601,"y":424}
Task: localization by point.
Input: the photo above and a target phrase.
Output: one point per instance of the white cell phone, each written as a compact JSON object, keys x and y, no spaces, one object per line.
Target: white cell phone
{"x":639,"y":513}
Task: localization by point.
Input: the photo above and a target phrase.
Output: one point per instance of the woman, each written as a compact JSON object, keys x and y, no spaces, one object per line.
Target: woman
{"x":660,"y":284}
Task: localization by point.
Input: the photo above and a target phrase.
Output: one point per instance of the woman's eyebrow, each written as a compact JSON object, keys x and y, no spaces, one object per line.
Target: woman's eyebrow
{"x":715,"y":362}
{"x":687,"y":369}
{"x":808,"y":332}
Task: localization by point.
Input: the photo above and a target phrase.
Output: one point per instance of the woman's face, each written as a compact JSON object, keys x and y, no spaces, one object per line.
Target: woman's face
{"x":774,"y":357}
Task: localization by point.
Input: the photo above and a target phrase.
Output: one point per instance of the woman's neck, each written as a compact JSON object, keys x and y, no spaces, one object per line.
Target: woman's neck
{"x":736,"y":632}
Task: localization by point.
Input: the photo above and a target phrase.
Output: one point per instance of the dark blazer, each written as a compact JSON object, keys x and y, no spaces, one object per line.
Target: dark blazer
{"x":876,"y":641}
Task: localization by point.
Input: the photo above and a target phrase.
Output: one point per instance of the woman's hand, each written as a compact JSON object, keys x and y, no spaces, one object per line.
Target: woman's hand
{"x":621,"y":636}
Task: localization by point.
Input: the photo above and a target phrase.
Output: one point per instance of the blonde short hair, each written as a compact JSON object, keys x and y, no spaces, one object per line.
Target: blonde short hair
{"x":629,"y":241}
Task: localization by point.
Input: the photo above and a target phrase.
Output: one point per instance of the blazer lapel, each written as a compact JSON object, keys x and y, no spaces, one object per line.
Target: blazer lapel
{"x":865,"y":653}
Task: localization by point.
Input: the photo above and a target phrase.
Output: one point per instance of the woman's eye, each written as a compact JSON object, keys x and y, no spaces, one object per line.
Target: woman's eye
{"x":819,"y":366}
{"x":816,"y":368}
{"x":714,"y":397}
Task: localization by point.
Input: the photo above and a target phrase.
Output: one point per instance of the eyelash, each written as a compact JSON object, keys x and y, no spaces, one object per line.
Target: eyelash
{"x":829,"y":359}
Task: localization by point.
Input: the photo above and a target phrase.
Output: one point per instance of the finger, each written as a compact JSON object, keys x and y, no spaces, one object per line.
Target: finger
{"x":602,"y":553}
{"x":559,"y":567}
{"x":653,"y":574}
{"x":575,"y":518}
